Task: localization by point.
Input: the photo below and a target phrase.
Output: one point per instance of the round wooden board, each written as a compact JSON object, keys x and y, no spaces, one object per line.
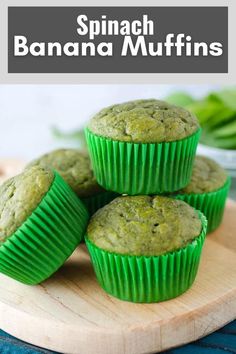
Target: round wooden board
{"x":70,"y":313}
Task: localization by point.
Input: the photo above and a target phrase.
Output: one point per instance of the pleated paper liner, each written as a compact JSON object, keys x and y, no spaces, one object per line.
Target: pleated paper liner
{"x":142,"y":168}
{"x":148,"y":279}
{"x":211,"y":204}
{"x":97,"y":201}
{"x":47,"y":238}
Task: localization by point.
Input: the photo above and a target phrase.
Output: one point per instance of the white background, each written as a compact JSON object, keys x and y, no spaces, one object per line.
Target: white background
{"x":27,"y":112}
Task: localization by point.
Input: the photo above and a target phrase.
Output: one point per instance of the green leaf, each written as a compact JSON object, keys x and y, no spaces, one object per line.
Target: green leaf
{"x":204,"y":110}
{"x":226,"y":97}
{"x":77,"y":136}
{"x":182,"y":99}
{"x":226,"y":130}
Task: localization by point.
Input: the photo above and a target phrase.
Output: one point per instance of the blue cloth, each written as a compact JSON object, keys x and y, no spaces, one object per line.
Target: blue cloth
{"x":11,"y":345}
{"x":222,"y":341}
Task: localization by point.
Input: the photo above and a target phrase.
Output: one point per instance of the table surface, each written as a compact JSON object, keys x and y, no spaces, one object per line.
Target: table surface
{"x":219,"y":342}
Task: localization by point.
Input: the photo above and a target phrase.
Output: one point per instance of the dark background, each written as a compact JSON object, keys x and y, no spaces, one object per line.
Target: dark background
{"x":58,"y":24}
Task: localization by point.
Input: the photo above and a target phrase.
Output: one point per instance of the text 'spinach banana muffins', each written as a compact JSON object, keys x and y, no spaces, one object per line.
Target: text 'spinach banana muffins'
{"x":41,"y":223}
{"x":75,"y":168}
{"x":207,"y":190}
{"x":143,"y":147}
{"x":146,"y":249}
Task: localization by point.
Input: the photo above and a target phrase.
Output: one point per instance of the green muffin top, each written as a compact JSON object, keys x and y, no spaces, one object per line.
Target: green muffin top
{"x":75,"y":168}
{"x":145,"y":121}
{"x":19,"y":197}
{"x":144,"y":225}
{"x":207,"y":176}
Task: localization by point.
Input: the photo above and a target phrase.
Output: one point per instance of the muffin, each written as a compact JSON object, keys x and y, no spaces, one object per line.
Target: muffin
{"x":75,"y":168}
{"x":207,"y":190}
{"x":146,"y":249}
{"x":143,"y":147}
{"x":41,"y":223}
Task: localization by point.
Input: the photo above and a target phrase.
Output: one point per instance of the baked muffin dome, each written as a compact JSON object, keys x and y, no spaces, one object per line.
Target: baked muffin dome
{"x":207,"y":176}
{"x":19,"y":196}
{"x":146,"y":121}
{"x":144,"y":225}
{"x":75,"y":168}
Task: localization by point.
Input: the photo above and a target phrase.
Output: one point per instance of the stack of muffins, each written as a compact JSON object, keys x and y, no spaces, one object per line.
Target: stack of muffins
{"x":148,"y":195}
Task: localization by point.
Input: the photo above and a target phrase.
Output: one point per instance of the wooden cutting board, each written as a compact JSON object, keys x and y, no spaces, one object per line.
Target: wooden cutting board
{"x":70,"y":313}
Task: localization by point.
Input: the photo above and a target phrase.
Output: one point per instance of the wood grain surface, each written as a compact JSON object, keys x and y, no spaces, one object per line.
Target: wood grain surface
{"x":70,"y":313}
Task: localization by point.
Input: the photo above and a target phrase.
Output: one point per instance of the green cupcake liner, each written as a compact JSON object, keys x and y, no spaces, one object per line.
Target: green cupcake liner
{"x":136,"y":168}
{"x":97,"y":201}
{"x":47,"y":238}
{"x":211,"y":204}
{"x":148,"y":279}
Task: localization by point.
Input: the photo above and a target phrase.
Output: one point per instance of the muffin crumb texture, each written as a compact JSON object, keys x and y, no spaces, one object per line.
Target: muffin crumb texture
{"x":144,"y":225}
{"x":19,"y":197}
{"x":75,"y":168}
{"x":146,"y":121}
{"x":207,"y":176}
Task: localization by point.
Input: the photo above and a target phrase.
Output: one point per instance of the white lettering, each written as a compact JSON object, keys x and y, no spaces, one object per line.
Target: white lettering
{"x":134,"y":49}
{"x":20,"y":47}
